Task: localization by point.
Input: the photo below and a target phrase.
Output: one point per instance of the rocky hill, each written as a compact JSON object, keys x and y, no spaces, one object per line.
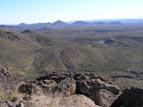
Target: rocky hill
{"x":67,"y":89}
{"x":71,"y":90}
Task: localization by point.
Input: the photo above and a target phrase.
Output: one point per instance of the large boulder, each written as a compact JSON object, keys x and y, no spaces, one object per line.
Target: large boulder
{"x":132,"y":97}
{"x":90,"y":85}
{"x":72,"y":101}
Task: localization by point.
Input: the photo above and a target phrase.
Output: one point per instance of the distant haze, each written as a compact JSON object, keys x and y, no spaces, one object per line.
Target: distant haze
{"x":35,"y":11}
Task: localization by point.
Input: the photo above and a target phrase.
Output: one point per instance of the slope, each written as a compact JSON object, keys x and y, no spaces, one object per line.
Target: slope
{"x":35,"y":53}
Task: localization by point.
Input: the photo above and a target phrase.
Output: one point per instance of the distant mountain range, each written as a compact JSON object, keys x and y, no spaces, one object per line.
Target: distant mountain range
{"x":81,"y":22}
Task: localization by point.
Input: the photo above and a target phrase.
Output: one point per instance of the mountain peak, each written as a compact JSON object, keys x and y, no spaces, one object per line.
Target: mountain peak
{"x":59,"y":23}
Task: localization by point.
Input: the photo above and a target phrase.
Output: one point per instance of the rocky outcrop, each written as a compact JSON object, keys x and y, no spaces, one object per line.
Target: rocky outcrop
{"x":7,"y":76}
{"x":132,"y":97}
{"x":8,"y":81}
{"x":70,"y":90}
{"x":97,"y":88}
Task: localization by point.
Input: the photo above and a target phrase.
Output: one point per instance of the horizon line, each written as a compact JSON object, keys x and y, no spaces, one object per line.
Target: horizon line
{"x":72,"y":21}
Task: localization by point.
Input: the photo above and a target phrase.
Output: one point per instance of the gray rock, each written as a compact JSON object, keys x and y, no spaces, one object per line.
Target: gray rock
{"x":132,"y":97}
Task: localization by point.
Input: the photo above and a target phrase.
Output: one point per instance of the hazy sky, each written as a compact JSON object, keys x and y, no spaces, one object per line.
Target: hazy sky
{"x":33,"y":11}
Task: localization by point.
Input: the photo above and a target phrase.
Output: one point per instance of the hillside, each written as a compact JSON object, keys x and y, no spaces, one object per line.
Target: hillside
{"x":35,"y":53}
{"x":113,"y":51}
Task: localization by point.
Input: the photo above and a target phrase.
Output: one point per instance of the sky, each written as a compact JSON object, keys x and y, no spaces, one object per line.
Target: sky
{"x":37,"y":11}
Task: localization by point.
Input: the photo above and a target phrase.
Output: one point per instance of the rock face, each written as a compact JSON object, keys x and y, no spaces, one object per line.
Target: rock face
{"x":101,"y":91}
{"x":132,"y":97}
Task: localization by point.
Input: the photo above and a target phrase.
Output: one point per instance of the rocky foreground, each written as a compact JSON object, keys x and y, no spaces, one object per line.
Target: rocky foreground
{"x":77,"y":89}
{"x":70,"y":90}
